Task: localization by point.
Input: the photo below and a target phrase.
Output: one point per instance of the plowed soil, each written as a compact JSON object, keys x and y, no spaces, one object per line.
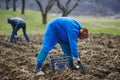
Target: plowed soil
{"x":100,"y":54}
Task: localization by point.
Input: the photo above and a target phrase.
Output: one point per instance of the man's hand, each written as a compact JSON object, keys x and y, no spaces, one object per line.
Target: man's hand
{"x":79,"y":62}
{"x":81,"y":66}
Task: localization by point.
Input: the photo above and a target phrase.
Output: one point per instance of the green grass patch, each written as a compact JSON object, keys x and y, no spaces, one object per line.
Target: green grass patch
{"x":33,"y":19}
{"x":107,"y":25}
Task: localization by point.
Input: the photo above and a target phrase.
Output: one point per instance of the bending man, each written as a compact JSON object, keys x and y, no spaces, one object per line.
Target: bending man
{"x":16,"y":24}
{"x":65,"y":31}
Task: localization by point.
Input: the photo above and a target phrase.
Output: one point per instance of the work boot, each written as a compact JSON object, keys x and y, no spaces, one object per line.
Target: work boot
{"x":75,"y":67}
{"x":38,"y":69}
{"x":40,"y":73}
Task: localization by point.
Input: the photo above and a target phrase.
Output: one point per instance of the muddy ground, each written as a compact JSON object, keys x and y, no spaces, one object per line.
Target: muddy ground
{"x":100,"y":54}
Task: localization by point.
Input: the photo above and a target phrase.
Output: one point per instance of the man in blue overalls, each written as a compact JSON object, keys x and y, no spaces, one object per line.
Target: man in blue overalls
{"x":16,"y":24}
{"x":65,"y":31}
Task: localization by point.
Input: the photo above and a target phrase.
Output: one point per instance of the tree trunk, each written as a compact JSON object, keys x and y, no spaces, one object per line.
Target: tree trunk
{"x":14,"y":5}
{"x":47,"y":9}
{"x":7,"y":4}
{"x":65,"y":14}
{"x":44,"y":17}
{"x":23,"y":7}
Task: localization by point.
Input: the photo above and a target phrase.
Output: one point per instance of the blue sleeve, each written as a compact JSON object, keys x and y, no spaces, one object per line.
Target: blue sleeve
{"x":73,"y":43}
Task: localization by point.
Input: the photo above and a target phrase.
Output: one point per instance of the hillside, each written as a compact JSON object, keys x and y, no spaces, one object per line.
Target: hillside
{"x":108,"y":25}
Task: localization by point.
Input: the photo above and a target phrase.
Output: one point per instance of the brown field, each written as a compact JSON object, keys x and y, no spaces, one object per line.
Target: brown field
{"x":100,"y":54}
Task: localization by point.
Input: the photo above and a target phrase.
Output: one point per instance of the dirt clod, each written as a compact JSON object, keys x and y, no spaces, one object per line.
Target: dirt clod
{"x":100,"y":54}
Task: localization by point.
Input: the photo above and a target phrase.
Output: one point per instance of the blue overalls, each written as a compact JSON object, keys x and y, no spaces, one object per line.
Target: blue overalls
{"x":62,"y":30}
{"x":16,"y":24}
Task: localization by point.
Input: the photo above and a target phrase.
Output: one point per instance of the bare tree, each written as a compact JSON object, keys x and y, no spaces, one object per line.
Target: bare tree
{"x":23,"y":7}
{"x":7,"y":4}
{"x":67,"y":8}
{"x":14,"y":5}
{"x":46,"y":10}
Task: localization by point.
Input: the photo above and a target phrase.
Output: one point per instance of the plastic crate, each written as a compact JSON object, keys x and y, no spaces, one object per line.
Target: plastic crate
{"x":59,"y":62}
{"x":16,"y":38}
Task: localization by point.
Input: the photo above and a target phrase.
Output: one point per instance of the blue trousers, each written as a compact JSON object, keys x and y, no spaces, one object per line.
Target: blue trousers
{"x":43,"y":54}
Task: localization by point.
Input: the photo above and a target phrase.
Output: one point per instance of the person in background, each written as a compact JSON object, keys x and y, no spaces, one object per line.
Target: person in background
{"x":64,"y":31}
{"x":16,"y":24}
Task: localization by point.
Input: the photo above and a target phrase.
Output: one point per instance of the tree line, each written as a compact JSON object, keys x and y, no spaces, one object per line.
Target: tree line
{"x":14,"y":5}
{"x":66,"y":8}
